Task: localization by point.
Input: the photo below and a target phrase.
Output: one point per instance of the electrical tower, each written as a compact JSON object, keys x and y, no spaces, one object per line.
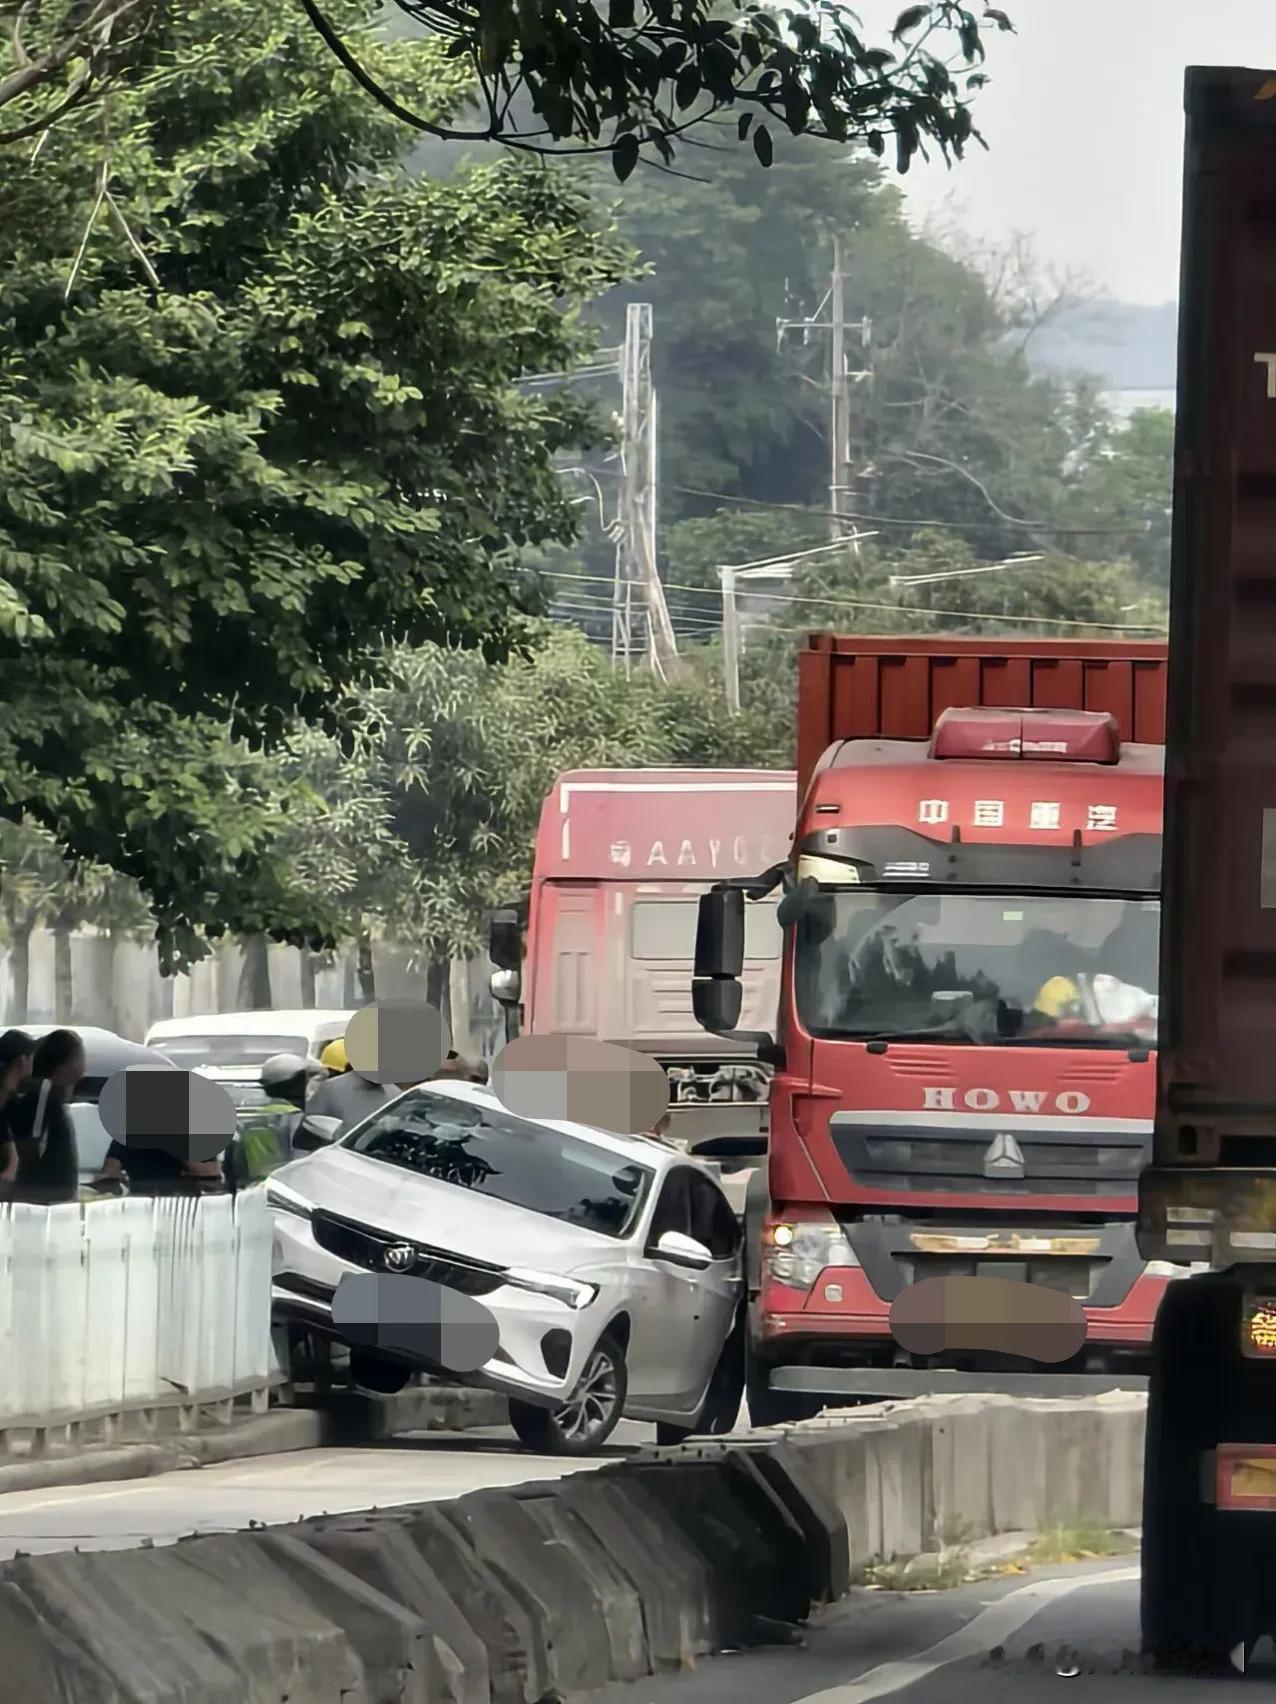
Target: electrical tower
{"x":637,"y":588}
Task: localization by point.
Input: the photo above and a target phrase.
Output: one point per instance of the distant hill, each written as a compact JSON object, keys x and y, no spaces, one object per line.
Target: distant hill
{"x":1128,"y":348}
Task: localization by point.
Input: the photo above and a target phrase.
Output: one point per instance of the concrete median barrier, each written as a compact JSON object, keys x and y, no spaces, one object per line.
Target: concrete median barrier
{"x":543,"y":1591}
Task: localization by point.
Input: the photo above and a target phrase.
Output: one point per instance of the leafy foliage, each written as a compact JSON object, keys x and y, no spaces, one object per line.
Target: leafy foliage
{"x":258,"y":416}
{"x":425,"y":816}
{"x":641,"y":73}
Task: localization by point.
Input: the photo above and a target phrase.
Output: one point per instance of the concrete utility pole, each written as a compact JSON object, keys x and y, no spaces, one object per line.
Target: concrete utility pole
{"x":637,"y":576}
{"x":830,"y":317}
{"x":766,"y":568}
{"x":839,"y":402}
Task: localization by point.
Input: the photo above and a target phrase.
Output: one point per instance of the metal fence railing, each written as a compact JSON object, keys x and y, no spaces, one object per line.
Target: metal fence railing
{"x":133,"y":1308}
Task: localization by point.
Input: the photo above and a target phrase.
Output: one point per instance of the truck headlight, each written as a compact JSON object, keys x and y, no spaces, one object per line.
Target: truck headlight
{"x":796,"y":1251}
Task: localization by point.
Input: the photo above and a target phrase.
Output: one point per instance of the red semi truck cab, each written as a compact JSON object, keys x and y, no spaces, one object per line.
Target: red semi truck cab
{"x":964,"y":1077}
{"x":604,"y":943}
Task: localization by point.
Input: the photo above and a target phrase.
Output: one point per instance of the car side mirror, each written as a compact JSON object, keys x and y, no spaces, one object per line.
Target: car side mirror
{"x":315,"y":1131}
{"x":679,"y":1250}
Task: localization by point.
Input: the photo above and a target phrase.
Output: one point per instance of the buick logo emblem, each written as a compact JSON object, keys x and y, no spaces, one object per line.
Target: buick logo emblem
{"x":1003,"y":1157}
{"x":401,"y":1257}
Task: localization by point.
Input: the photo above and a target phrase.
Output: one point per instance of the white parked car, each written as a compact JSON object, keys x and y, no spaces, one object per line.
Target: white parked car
{"x":610,"y":1264}
{"x":233,"y":1046}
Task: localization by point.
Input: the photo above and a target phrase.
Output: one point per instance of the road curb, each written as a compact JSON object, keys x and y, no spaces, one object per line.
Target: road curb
{"x":549,"y":1590}
{"x":347,"y":1420}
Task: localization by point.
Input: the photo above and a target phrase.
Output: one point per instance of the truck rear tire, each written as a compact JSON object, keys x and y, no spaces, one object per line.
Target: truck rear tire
{"x":1202,"y":1568}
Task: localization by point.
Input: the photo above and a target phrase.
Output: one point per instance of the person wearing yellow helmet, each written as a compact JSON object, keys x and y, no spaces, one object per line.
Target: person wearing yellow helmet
{"x":1058,"y":999}
{"x":346,"y":1095}
{"x":334,"y":1058}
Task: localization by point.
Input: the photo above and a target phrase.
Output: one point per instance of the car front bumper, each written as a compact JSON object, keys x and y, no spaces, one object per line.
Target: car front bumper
{"x":543,"y":1343}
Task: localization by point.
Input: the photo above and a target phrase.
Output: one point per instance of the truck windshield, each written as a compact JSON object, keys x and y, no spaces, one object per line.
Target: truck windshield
{"x":983,"y":969}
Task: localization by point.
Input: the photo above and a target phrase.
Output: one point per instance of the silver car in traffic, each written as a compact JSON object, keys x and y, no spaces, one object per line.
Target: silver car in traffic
{"x":611,"y":1265}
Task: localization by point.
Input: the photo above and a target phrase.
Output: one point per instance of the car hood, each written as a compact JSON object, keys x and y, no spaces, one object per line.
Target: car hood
{"x":444,"y":1215}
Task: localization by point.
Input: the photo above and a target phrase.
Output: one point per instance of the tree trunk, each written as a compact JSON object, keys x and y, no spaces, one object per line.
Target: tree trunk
{"x":438,"y":993}
{"x":307,"y":979}
{"x":254,"y":975}
{"x":463,"y":1039}
{"x":63,"y":984}
{"x":19,"y":970}
{"x":367,"y":971}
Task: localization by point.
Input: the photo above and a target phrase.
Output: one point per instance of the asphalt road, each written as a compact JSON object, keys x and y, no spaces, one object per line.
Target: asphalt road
{"x":278,"y":1488}
{"x":1015,"y":1638}
{"x":1058,"y":1634}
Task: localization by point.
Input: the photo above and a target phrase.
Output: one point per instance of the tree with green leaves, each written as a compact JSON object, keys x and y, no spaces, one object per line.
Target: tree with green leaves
{"x":1131,"y":475}
{"x":951,"y":422}
{"x":259,"y":414}
{"x":574,"y":77}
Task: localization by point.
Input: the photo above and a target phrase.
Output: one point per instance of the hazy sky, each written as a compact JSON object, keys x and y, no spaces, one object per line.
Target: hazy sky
{"x":1084,"y":123}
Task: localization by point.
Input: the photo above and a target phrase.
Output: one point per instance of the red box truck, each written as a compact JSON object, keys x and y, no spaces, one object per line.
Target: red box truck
{"x":603,"y":945}
{"x":963,"y":1054}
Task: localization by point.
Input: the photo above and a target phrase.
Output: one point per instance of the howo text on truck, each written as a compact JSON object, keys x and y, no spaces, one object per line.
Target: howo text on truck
{"x":963,"y":1076}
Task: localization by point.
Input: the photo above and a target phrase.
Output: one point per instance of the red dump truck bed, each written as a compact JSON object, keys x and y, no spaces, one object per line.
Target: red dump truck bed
{"x":852,"y":687}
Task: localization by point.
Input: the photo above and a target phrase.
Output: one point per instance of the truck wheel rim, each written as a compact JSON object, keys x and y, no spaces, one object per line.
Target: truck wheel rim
{"x":591,"y":1407}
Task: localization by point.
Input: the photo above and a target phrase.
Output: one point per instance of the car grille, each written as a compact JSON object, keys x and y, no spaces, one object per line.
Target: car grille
{"x":361,"y":1245}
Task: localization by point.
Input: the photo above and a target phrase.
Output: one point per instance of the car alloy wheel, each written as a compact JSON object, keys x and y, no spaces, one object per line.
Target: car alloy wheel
{"x":587,"y":1419}
{"x":593,"y":1408}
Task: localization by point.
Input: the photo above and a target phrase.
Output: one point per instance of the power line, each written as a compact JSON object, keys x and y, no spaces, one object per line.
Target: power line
{"x":912,"y":523}
{"x":907,"y":608}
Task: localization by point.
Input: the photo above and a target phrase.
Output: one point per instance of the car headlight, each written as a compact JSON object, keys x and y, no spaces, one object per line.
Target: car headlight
{"x":568,"y":1290}
{"x":285,"y":1200}
{"x":796,"y":1251}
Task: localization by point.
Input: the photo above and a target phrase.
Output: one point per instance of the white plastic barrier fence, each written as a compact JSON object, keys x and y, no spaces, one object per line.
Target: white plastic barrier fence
{"x":114,"y":1307}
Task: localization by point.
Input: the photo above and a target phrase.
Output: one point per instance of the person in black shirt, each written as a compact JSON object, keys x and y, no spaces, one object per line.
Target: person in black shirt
{"x":16,"y":1053}
{"x":39,"y":1125}
{"x":154,"y":1171}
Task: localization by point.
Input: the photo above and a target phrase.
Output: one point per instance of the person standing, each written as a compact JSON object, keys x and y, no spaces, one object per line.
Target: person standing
{"x":40,"y":1126}
{"x":347,"y":1096}
{"x":17,"y":1050}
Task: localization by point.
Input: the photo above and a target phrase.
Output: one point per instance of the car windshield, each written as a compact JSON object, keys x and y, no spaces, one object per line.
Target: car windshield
{"x":490,"y":1152}
{"x":991,"y":970}
{"x":227,"y":1051}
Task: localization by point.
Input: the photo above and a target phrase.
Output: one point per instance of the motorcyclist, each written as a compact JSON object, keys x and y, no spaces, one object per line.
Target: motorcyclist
{"x":265,"y":1136}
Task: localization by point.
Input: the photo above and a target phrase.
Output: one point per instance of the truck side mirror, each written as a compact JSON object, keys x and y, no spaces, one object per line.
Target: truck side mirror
{"x":716,"y":992}
{"x":720,"y":934}
{"x":505,"y":940}
{"x":716,"y":1004}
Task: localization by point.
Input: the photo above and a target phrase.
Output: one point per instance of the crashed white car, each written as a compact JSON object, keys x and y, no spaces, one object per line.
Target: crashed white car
{"x":610,"y":1265}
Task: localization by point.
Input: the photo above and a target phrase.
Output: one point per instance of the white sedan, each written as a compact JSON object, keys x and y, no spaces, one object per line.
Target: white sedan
{"x":610,"y":1265}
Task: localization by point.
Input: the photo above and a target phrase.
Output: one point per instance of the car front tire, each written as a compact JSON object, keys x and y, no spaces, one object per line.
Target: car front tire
{"x":585,"y":1422}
